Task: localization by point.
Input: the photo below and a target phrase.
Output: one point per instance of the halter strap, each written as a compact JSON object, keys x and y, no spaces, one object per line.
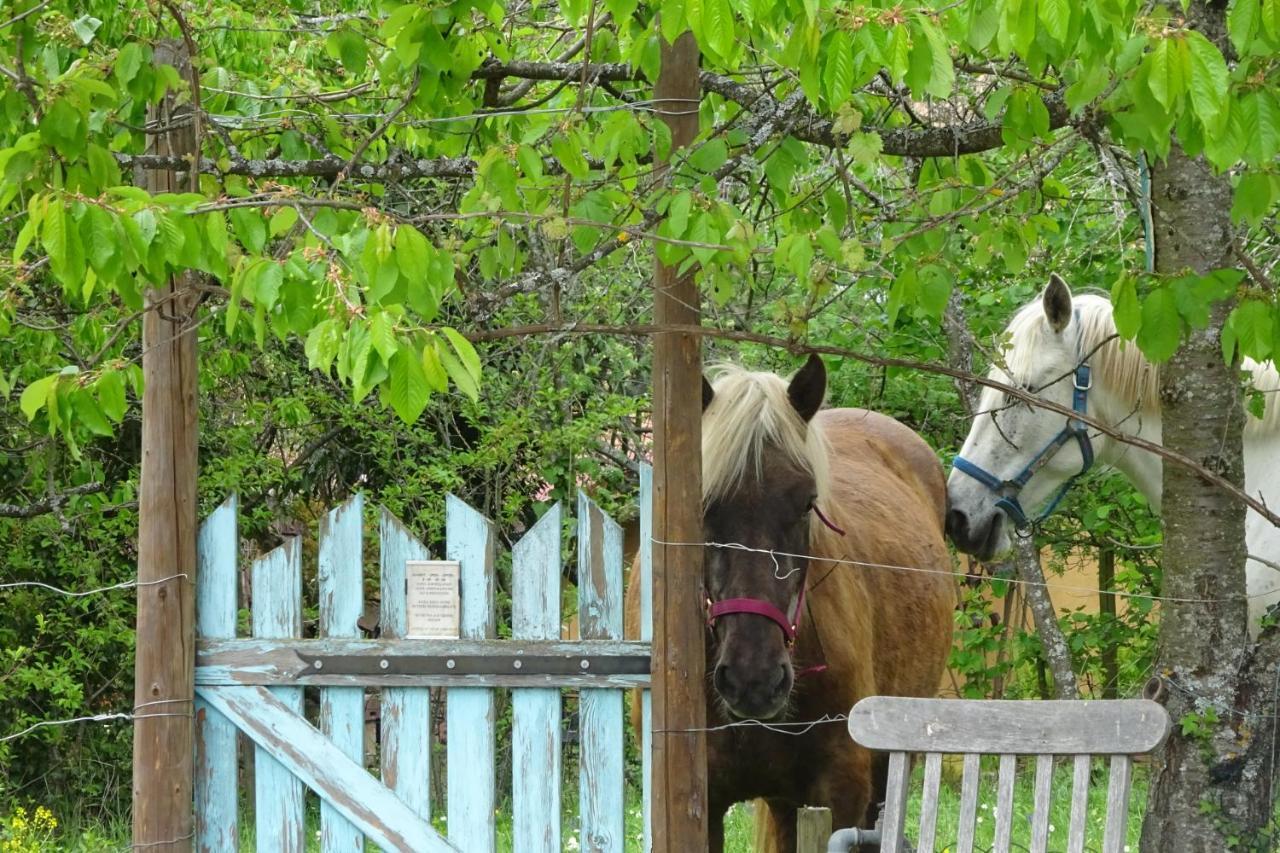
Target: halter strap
{"x":1007,"y":490}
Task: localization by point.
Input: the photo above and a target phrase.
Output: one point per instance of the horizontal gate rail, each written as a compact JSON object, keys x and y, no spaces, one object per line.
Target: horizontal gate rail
{"x":403,"y":663}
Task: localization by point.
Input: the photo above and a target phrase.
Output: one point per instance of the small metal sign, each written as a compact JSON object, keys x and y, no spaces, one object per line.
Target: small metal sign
{"x":434,"y":599}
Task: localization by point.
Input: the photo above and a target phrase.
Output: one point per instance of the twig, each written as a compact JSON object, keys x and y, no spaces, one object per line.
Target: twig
{"x":391,"y":117}
{"x":21,"y":15}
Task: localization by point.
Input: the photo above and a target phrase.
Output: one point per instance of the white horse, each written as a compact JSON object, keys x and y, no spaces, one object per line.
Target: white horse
{"x":1064,"y":349}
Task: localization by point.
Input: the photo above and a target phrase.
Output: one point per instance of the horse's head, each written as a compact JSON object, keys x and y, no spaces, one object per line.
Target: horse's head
{"x":1018,"y":455}
{"x":763,"y":469}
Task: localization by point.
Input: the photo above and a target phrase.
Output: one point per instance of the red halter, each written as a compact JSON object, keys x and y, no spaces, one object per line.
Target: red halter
{"x":790,"y":627}
{"x":760,"y":608}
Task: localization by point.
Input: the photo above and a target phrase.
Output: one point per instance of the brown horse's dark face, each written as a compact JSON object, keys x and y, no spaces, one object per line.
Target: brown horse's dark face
{"x":750,"y":658}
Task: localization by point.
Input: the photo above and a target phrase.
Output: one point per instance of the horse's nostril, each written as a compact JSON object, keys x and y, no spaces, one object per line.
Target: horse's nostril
{"x":957,"y":524}
{"x":781,"y":683}
{"x":721,"y":679}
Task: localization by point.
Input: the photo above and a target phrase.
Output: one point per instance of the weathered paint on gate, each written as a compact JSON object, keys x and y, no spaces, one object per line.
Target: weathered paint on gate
{"x":255,"y":685}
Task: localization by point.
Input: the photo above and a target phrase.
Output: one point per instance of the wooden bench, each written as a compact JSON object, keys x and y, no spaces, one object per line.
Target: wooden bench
{"x":1119,"y":729}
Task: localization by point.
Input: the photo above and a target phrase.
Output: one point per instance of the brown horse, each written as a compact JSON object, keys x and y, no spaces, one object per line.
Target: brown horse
{"x":837,"y":485}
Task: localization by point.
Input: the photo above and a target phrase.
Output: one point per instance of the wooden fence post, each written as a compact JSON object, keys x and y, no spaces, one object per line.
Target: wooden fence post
{"x":813,"y":829}
{"x":163,"y":681}
{"x":679,"y":655}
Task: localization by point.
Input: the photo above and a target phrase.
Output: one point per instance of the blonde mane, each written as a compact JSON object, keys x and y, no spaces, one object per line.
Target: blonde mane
{"x":749,"y":414}
{"x":1118,"y":365}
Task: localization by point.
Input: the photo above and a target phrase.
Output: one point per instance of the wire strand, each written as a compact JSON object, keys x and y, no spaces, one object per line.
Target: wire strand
{"x":734,"y":546}
{"x":788,"y":728}
{"x":80,"y":594}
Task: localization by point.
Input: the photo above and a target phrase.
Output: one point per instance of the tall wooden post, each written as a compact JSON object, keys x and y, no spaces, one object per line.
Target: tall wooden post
{"x":679,"y":655}
{"x":165,"y":658}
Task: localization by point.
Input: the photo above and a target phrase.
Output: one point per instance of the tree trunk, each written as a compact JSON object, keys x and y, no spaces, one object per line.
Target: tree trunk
{"x":1057,"y":654}
{"x":1212,"y":781}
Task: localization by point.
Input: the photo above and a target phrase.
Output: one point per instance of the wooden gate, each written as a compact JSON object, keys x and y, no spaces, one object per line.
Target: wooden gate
{"x":255,"y":685}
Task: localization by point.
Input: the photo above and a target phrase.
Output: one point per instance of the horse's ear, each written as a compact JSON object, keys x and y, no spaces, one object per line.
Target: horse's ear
{"x":808,"y":387}
{"x":1057,"y":303}
{"x":708,"y":393}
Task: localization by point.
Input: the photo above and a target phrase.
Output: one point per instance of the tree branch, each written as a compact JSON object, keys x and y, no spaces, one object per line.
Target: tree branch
{"x":800,"y":347}
{"x":49,"y":504}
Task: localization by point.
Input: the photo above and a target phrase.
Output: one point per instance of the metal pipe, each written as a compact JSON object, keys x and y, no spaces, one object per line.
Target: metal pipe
{"x":846,"y":840}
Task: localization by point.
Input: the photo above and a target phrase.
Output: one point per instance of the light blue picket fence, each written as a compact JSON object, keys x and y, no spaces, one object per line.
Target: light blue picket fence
{"x":255,"y":685}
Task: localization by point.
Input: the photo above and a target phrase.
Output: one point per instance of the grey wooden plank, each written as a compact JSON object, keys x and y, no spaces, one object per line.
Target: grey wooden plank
{"x":646,"y":634}
{"x":300,"y":748}
{"x":216,"y":795}
{"x":1117,"y":804}
{"x":535,"y":725}
{"x":1042,"y":804}
{"x":813,"y":828}
{"x":406,"y":711}
{"x":895,"y":804}
{"x":341,"y":582}
{"x":1110,"y":727}
{"x":277,"y":613}
{"x":600,"y":779}
{"x":968,"y":804}
{"x":929,"y":800}
{"x":1004,"y":802}
{"x":470,"y":712}
{"x":1079,"y":804}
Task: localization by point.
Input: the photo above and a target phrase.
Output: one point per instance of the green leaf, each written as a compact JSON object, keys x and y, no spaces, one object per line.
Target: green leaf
{"x":466,"y":353}
{"x":437,"y":378}
{"x":383,"y":334}
{"x":942,"y":75}
{"x":864,"y":148}
{"x":1209,"y":80}
{"x":1168,"y":68}
{"x":568,"y":151}
{"x":36,"y":395}
{"x":406,"y":388}
{"x":1242,"y":24}
{"x":1270,"y":18}
{"x":459,"y":374}
{"x":1127,"y":311}
{"x":1056,"y":17}
{"x":710,"y":155}
{"x":678,"y":214}
{"x":110,"y":391}
{"x":1252,"y":323}
{"x":249,"y":228}
{"x":837,"y":75}
{"x":282,"y":220}
{"x":413,"y":253}
{"x":25,"y":236}
{"x":89,"y":413}
{"x":898,"y":54}
{"x":127,"y":63}
{"x":718,"y":26}
{"x":934,"y":290}
{"x":919,"y":66}
{"x":1252,"y":199}
{"x":349,"y":48}
{"x":322,"y":345}
{"x":1161,"y":329}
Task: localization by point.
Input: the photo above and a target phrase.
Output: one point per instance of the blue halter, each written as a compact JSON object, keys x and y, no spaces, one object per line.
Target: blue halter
{"x":1007,"y":490}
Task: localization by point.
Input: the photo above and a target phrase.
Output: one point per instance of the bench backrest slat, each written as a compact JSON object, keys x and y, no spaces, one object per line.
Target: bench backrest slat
{"x":972,"y":728}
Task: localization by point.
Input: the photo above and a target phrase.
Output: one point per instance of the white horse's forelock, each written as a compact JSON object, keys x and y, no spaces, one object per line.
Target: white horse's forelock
{"x":749,"y":413}
{"x":1117,"y":365}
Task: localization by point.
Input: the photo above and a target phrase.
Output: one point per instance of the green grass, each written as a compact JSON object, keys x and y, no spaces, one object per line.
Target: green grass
{"x":73,"y":836}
